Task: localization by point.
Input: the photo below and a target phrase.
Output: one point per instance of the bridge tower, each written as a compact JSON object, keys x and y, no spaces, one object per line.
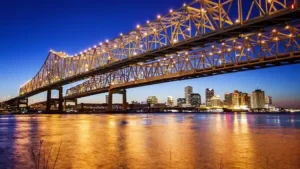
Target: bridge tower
{"x":110,"y":98}
{"x":51,"y":101}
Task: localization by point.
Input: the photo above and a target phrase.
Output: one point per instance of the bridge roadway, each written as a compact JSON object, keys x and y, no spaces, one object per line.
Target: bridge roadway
{"x":214,"y":16}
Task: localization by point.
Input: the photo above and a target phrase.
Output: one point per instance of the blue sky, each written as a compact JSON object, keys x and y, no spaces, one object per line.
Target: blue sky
{"x":29,"y":28}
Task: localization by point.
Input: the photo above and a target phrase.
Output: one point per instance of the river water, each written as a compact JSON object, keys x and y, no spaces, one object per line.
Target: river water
{"x":153,"y":141}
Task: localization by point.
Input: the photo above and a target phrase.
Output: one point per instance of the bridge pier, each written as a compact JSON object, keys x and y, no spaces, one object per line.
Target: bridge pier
{"x":22,"y":103}
{"x":70,"y":100}
{"x":50,"y":100}
{"x":110,"y":99}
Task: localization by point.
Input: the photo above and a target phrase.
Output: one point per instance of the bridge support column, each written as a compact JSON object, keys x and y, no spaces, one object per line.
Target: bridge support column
{"x":51,"y":101}
{"x":48,"y":102}
{"x":124,"y":104}
{"x":110,"y":99}
{"x":72,"y":101}
{"x":22,"y":104}
{"x":60,"y":99}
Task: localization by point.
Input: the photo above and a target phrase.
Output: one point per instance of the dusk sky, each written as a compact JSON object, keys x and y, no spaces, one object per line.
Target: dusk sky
{"x":30,"y":28}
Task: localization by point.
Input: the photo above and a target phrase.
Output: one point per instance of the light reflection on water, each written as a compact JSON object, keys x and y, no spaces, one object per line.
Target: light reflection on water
{"x":153,"y":140}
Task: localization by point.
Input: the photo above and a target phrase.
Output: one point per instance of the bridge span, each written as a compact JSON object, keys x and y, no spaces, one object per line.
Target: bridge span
{"x":201,"y":38}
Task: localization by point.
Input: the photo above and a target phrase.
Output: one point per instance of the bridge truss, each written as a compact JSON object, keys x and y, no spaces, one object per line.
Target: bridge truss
{"x":193,"y":25}
{"x":272,"y":47}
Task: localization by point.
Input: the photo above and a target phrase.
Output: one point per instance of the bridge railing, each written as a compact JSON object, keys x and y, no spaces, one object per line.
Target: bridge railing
{"x":250,"y":49}
{"x":192,"y":20}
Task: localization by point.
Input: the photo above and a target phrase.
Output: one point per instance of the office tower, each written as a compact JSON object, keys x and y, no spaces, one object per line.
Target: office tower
{"x":216,"y":101}
{"x":188,"y":90}
{"x":258,"y":99}
{"x":244,"y":100}
{"x":152,"y":100}
{"x":180,"y":102}
{"x":228,"y":99}
{"x":195,"y":99}
{"x":236,"y":99}
{"x":209,"y":93}
{"x":268,"y":100}
{"x":170,"y":101}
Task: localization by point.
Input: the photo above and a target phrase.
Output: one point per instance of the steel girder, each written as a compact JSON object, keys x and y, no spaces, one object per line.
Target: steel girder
{"x":171,"y":31}
{"x":247,"y":52}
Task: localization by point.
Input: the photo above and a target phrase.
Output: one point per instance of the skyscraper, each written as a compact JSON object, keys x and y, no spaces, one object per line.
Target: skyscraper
{"x":228,"y":99}
{"x":180,"y":102}
{"x":268,"y":100}
{"x":152,"y":100}
{"x":209,"y":93}
{"x":236,"y":99}
{"x":188,"y":90}
{"x":244,"y":100}
{"x":216,"y":102}
{"x":170,"y":101}
{"x":195,"y":99}
{"x":258,"y":99}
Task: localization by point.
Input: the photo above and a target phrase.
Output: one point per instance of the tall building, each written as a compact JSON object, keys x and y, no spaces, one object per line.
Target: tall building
{"x":216,"y":102}
{"x":152,"y":100}
{"x":209,"y":93}
{"x":236,"y":99}
{"x":180,"y":102}
{"x":258,"y":99}
{"x":195,"y":99}
{"x":228,"y":99}
{"x":188,"y":90}
{"x":268,"y":100}
{"x":170,"y":101}
{"x":244,"y":100}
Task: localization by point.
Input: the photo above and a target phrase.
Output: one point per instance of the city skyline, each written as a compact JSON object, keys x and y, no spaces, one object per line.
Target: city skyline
{"x":33,"y":44}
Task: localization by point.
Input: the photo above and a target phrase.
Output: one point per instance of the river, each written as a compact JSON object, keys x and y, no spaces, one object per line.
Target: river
{"x":138,"y":141}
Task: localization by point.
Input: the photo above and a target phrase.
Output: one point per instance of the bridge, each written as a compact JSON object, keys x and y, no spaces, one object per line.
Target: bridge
{"x":202,"y":38}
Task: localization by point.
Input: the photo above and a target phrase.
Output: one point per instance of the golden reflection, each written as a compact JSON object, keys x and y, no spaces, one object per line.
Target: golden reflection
{"x":242,"y":144}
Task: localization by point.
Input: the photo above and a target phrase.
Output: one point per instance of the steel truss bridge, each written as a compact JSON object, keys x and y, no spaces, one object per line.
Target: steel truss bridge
{"x":202,"y":38}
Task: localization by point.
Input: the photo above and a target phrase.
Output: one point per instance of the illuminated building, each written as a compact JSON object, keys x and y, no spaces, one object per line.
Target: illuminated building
{"x":228,"y":99}
{"x":216,"y":102}
{"x":180,"y":102}
{"x":170,"y":101}
{"x":268,"y":100}
{"x":236,"y":99}
{"x":240,"y":100}
{"x":258,"y":99}
{"x":195,"y":99}
{"x":152,"y":100}
{"x":244,"y":100}
{"x":209,"y":93}
{"x":188,"y":90}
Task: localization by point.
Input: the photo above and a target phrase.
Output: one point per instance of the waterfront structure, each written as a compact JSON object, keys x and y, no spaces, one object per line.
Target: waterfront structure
{"x":180,"y":102}
{"x":236,"y":99}
{"x":244,"y":100}
{"x":228,"y":100}
{"x":268,"y":100}
{"x":170,"y":101}
{"x":106,"y":99}
{"x":188,"y":90}
{"x":209,"y":93}
{"x":216,"y":102}
{"x":195,"y":99}
{"x":152,"y":100}
{"x":125,"y":59}
{"x":258,"y":99}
